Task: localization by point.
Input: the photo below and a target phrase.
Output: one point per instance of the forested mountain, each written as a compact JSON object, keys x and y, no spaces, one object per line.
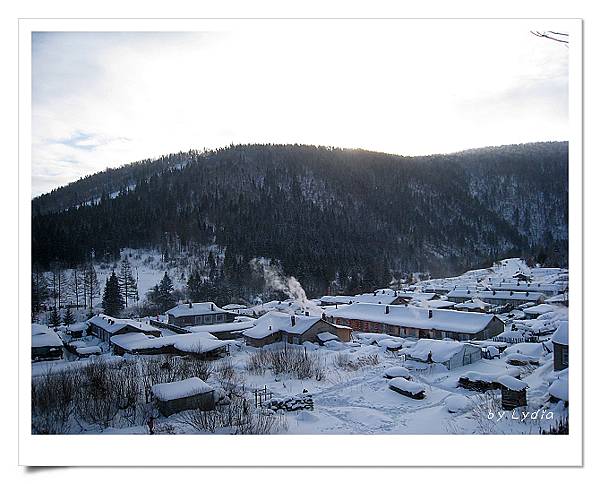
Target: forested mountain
{"x":353,"y":216}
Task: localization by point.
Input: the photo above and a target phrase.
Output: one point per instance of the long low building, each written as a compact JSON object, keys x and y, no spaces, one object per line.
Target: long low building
{"x":548,"y":289}
{"x":376,"y":297}
{"x":498,"y":298}
{"x":416,"y":322}
{"x":194,"y":314}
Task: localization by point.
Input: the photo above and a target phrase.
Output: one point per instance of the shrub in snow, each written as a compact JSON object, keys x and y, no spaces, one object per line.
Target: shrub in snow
{"x":239,"y":417}
{"x":346,"y":362}
{"x":294,"y":361}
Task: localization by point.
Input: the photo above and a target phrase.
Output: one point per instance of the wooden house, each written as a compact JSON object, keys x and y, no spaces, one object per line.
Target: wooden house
{"x":410,"y":321}
{"x":105,"y":327}
{"x":451,"y":354}
{"x":45,"y":343}
{"x":194,"y":314}
{"x":497,"y":298}
{"x":188,"y":394}
{"x":514,"y":392}
{"x":560,"y":342}
{"x":276,"y":326}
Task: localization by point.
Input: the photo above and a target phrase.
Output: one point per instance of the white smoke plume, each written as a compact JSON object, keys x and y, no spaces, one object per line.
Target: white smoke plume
{"x":289,"y":285}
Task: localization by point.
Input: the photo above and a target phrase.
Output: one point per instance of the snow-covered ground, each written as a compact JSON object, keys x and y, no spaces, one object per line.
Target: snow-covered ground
{"x":352,"y":395}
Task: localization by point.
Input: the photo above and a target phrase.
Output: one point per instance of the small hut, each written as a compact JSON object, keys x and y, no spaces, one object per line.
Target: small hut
{"x":188,"y":394}
{"x":407,"y":388}
{"x":514,"y":392}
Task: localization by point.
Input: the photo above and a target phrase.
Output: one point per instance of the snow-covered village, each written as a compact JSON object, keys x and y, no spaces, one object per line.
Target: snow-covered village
{"x":263,"y":232}
{"x":484,"y":352}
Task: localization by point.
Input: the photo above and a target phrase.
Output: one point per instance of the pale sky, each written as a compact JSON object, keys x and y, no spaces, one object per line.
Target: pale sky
{"x":105,"y":99}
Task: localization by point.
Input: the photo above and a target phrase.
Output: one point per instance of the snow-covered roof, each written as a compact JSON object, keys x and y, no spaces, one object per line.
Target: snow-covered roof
{"x":561,"y":335}
{"x":559,"y":298}
{"x":166,"y":392}
{"x":436,"y":304}
{"x":43,"y":336}
{"x":560,"y":388}
{"x":89,"y":350}
{"x":397,"y":372}
{"x":540,"y":309}
{"x":499,"y":295}
{"x":230,"y":307}
{"x":440,"y":351}
{"x":530,"y":286}
{"x":326,"y":336}
{"x":194,"y":309}
{"x":188,"y":343}
{"x":380,"y":298}
{"x":473,"y":304}
{"x":490,"y":377}
{"x":112,"y":325}
{"x":413,"y":317}
{"x":407,"y":385}
{"x":219,"y":328}
{"x":276,"y":321}
{"x":512,"y":383}
{"x":77,"y":326}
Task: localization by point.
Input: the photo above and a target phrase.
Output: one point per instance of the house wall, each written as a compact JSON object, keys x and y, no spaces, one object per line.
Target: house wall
{"x":311,"y":334}
{"x":204,"y":401}
{"x":197,"y":320}
{"x":257,"y":343}
{"x":561,"y":357}
{"x":494,"y":327}
{"x":47,"y":353}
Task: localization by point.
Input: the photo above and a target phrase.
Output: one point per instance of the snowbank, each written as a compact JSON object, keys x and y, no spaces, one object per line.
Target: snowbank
{"x":458,"y":403}
{"x":397,"y":372}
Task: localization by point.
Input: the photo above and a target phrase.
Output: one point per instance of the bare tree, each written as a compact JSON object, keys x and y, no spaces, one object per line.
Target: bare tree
{"x":549,"y":34}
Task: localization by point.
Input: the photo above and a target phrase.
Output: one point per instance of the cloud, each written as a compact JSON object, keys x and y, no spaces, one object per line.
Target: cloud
{"x":409,"y":87}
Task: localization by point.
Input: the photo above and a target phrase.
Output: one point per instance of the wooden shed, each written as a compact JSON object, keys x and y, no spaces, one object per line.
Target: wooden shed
{"x":514,"y":392}
{"x":407,"y":388}
{"x":188,"y":394}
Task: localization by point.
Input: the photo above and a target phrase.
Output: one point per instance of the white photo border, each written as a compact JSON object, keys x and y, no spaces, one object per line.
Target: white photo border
{"x":289,"y":450}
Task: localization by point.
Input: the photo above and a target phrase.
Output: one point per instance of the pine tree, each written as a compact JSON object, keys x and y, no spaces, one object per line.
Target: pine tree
{"x":194,"y":286}
{"x":54,"y":317}
{"x":166,"y":299}
{"x":112,"y":301}
{"x":68,"y":317}
{"x":127,"y":283}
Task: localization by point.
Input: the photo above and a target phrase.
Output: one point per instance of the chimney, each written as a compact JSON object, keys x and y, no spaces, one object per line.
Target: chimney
{"x":387,"y":310}
{"x":190,"y":304}
{"x":430,"y":314}
{"x":212,"y":307}
{"x":293,"y":318}
{"x":323,"y":315}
